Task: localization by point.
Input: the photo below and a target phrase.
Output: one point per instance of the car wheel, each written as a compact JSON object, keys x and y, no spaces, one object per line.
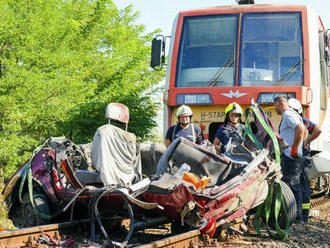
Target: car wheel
{"x":29,"y":216}
{"x":290,"y":205}
{"x":289,"y":201}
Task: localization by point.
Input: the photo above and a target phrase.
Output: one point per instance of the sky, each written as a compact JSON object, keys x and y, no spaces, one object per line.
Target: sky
{"x":155,"y":14}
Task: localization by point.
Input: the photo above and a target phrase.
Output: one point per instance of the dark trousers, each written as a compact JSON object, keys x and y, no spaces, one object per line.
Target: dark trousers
{"x":295,"y":174}
{"x":306,"y":192}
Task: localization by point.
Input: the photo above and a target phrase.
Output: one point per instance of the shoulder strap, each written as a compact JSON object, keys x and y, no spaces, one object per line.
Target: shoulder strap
{"x":174,"y":130}
{"x":193,"y":132}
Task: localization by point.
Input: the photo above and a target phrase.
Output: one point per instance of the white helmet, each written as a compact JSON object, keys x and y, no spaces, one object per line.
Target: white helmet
{"x":184,"y":110}
{"x":295,"y":104}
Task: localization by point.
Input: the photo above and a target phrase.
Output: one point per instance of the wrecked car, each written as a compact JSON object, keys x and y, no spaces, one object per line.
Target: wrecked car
{"x":187,"y":185}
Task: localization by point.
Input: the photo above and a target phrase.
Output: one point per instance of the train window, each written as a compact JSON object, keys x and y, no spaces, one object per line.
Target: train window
{"x":207,"y":51}
{"x":271,"y":50}
{"x":323,"y":68}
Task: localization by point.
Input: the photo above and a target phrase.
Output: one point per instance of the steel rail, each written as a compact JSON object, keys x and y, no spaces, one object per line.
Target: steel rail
{"x":187,"y":239}
{"x":28,"y":237}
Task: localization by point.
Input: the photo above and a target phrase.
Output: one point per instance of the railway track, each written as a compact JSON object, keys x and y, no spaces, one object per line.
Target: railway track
{"x":30,"y":237}
{"x":33,"y":237}
{"x":187,"y":239}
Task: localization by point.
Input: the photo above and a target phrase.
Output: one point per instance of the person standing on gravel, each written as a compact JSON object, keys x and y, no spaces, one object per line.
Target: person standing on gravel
{"x":314,"y":132}
{"x":292,"y":130}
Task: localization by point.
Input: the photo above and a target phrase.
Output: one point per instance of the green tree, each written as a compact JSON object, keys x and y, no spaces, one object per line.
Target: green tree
{"x":61,"y":63}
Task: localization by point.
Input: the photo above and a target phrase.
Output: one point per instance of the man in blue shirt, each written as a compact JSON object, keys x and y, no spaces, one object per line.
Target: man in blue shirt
{"x":314,"y":131}
{"x":184,"y":128}
{"x":292,"y":130}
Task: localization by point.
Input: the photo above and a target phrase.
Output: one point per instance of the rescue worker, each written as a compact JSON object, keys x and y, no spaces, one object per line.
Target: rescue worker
{"x":233,"y":123}
{"x":313,"y":132}
{"x":292,"y":130}
{"x":185,"y":128}
{"x":313,"y":129}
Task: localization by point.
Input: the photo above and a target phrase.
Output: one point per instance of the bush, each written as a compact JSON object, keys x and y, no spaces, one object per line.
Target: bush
{"x":4,"y":221}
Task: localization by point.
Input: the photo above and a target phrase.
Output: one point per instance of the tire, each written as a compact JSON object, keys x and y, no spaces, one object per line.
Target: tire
{"x":29,"y":215}
{"x":289,"y":201}
{"x":290,"y":205}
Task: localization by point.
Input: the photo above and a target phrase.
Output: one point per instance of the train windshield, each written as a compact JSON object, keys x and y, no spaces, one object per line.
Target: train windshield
{"x":271,"y":51}
{"x":207,"y":51}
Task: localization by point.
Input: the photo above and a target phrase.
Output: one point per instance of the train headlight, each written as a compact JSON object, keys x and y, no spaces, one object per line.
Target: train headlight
{"x":193,"y":99}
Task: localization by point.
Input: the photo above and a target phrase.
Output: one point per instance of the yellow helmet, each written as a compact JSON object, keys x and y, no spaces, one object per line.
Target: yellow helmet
{"x":233,"y":108}
{"x":184,"y":110}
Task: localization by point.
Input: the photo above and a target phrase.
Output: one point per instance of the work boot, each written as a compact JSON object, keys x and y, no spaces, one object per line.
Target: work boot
{"x":305,"y":219}
{"x":305,"y":214}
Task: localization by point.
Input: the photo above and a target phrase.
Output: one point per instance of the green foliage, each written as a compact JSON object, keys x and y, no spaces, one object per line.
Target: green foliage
{"x":61,"y":63}
{"x":4,"y":221}
{"x":156,"y":137}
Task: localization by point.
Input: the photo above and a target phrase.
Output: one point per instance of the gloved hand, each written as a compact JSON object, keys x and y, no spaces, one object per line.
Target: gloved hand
{"x":294,"y":152}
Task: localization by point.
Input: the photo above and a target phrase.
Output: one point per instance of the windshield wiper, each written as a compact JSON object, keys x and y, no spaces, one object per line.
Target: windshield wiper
{"x":213,"y":81}
{"x":292,"y":70}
